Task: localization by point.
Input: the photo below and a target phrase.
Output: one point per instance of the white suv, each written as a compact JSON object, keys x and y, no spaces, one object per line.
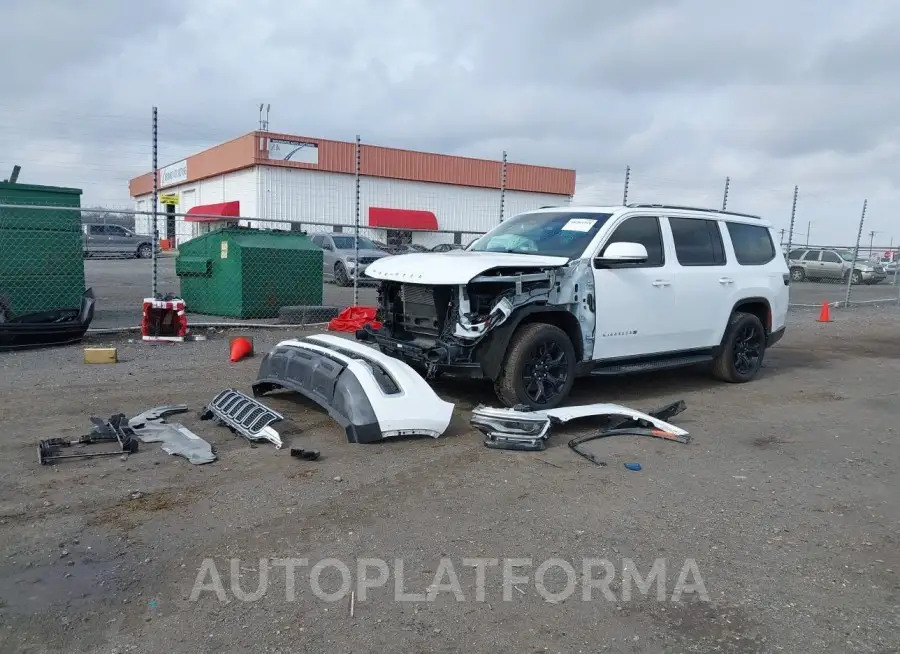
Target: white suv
{"x":564,"y":292}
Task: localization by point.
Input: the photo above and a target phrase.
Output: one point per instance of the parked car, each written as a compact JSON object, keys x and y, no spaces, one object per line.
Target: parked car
{"x":339,"y":260}
{"x":824,"y":264}
{"x":551,"y":295}
{"x":101,"y":239}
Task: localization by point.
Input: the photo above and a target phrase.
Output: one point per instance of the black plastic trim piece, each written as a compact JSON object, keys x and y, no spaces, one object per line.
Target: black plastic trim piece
{"x":324,"y":380}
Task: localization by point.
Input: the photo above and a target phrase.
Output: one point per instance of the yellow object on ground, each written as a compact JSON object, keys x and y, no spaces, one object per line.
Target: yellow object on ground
{"x":101,"y":355}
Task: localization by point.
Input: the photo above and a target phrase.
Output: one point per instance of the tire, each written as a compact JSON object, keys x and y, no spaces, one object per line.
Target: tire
{"x":144,"y":251}
{"x":341,"y":278}
{"x":727,"y":366}
{"x":527,"y":344}
{"x":856,"y":277}
{"x":797,"y":274}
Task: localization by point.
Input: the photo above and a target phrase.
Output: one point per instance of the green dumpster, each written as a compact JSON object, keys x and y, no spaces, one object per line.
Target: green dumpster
{"x":41,"y":250}
{"x":249,"y":273}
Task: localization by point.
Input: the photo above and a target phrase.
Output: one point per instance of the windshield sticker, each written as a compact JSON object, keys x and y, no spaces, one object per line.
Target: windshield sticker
{"x":579,"y":225}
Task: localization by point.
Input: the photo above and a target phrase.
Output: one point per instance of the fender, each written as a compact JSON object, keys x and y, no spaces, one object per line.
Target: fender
{"x":491,"y":352}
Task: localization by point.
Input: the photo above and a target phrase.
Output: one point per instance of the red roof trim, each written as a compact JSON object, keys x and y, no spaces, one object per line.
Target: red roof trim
{"x":402,"y":219}
{"x":211,"y":213}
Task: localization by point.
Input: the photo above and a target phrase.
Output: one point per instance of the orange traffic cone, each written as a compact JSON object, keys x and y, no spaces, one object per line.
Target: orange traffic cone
{"x":825,"y":313}
{"x":240,"y":348}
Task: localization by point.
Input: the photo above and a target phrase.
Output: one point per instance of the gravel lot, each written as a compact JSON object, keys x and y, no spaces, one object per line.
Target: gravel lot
{"x":786,"y":499}
{"x":121,"y":284}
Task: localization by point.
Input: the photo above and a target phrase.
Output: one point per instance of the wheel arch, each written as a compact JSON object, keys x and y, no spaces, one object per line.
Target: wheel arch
{"x":493,"y":351}
{"x":758,"y":306}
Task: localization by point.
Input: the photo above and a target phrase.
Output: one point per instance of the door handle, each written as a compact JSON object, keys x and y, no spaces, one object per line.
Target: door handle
{"x":662,"y":282}
{"x":726,"y":280}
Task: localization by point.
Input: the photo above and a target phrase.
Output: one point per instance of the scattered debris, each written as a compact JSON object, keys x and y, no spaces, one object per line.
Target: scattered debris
{"x":306,"y":455}
{"x":101,"y":355}
{"x":46,"y":328}
{"x":151,"y":427}
{"x":633,"y":466}
{"x":520,"y":428}
{"x":625,"y":421}
{"x":164,"y":319}
{"x":371,"y":395}
{"x":245,"y":416}
{"x":104,"y":431}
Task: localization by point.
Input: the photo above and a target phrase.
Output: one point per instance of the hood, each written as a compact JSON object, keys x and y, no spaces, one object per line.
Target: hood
{"x":454,"y":267}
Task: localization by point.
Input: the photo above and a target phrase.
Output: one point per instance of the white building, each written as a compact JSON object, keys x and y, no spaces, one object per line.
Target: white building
{"x":286,"y":182}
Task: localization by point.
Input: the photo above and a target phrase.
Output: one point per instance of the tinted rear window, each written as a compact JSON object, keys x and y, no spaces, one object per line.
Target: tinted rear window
{"x":752,"y":244}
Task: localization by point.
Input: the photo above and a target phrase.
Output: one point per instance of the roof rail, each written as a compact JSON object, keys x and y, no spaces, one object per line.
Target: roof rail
{"x":704,"y":209}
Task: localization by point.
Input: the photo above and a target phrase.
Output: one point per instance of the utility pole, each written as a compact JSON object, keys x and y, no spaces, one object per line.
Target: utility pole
{"x":871,"y":241}
{"x":808,"y":224}
{"x":781,"y":240}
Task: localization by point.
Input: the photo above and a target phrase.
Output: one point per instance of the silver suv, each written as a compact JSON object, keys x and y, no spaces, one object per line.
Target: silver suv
{"x":827,"y":264}
{"x":339,"y":259}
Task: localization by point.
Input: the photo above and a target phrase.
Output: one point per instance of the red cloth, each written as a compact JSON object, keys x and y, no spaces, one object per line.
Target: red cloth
{"x":353,"y":318}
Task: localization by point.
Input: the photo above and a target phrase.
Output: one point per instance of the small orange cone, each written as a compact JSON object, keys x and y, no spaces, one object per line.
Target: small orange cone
{"x":825,"y":313}
{"x":240,"y":348}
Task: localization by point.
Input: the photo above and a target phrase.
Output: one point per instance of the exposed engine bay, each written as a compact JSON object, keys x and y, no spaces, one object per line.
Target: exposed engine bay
{"x":454,"y":326}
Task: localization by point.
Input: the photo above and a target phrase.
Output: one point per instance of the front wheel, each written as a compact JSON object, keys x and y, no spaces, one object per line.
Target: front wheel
{"x":539,"y":368}
{"x":743,"y":349}
{"x":340,"y":275}
{"x":856,"y":277}
{"x":797,"y":274}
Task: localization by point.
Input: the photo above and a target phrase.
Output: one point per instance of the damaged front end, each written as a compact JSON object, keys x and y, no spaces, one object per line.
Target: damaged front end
{"x":371,"y":395}
{"x":464,"y":327}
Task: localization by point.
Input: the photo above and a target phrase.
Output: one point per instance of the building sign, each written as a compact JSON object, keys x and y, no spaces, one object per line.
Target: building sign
{"x":299,"y":151}
{"x":174,"y":174}
{"x":169,"y":199}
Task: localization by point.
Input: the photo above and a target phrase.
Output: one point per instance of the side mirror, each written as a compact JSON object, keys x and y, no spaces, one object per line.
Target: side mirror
{"x":623,"y":253}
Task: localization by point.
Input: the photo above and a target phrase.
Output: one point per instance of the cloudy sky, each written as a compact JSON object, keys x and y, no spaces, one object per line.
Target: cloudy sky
{"x":685,"y":92}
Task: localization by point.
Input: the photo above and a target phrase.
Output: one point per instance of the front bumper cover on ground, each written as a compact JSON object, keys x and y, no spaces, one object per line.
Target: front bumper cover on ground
{"x":371,"y":395}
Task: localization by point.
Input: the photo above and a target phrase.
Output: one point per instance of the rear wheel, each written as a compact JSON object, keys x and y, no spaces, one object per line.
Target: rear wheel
{"x":743,"y":349}
{"x":539,"y":368}
{"x":144,"y":251}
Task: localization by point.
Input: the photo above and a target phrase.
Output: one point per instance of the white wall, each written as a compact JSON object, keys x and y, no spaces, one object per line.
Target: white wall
{"x":270,"y":195}
{"x":240,"y":186}
{"x":304,"y":195}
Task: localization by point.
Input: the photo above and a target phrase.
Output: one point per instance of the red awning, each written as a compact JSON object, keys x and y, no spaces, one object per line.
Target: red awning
{"x":211,"y":213}
{"x":402,"y":219}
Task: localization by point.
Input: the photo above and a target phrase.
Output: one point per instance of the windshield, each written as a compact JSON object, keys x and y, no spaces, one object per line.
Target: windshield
{"x":555,"y":234}
{"x":346,"y":243}
{"x":846,"y":256}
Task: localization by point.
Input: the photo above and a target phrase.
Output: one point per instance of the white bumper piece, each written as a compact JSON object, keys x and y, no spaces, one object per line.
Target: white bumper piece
{"x":371,"y":395}
{"x":511,"y":429}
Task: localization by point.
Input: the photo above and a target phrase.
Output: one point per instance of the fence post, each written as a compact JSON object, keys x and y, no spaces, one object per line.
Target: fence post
{"x":791,"y":229}
{"x":862,"y":219}
{"x":725,"y":197}
{"x":627,"y":180}
{"x":356,"y":228}
{"x":502,"y":185}
{"x":155,"y":232}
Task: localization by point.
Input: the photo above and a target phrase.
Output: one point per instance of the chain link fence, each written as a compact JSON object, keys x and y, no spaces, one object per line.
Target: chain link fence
{"x":287,"y":266}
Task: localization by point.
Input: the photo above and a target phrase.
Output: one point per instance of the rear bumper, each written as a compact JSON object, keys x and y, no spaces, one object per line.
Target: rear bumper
{"x":774,"y":337}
